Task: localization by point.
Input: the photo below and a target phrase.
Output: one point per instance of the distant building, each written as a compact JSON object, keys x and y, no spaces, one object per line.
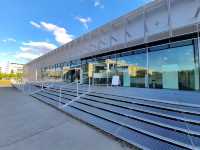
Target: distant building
{"x":5,"y":67}
{"x":12,"y":68}
{"x":15,"y":68}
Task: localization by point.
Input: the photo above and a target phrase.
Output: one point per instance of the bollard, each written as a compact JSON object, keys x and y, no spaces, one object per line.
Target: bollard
{"x":60,"y":97}
{"x":89,"y":82}
{"x":77,"y":88}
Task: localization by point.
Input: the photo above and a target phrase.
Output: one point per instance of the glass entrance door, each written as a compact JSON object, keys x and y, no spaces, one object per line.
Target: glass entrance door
{"x":72,"y":75}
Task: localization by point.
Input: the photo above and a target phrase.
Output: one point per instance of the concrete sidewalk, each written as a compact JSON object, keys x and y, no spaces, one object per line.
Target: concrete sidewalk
{"x":27,"y":124}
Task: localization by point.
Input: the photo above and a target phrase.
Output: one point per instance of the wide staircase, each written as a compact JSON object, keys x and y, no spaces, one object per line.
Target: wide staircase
{"x":147,"y":124}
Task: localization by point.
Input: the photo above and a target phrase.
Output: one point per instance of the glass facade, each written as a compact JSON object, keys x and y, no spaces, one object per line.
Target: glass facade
{"x":168,"y":66}
{"x":52,"y":72}
{"x":132,"y":68}
{"x":104,"y":70}
{"x":173,"y":68}
{"x":72,"y":71}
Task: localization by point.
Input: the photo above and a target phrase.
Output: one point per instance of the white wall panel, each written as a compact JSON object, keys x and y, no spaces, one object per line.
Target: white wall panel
{"x":183,"y":12}
{"x":136,"y":28}
{"x":157,"y":22}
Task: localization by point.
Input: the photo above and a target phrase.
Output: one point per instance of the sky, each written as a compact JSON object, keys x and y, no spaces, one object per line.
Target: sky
{"x":30,"y":28}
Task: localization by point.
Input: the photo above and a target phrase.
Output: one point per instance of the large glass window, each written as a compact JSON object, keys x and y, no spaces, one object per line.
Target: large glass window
{"x":132,"y":68}
{"x":71,"y":71}
{"x":100,"y":68}
{"x":170,"y":66}
{"x":173,"y":68}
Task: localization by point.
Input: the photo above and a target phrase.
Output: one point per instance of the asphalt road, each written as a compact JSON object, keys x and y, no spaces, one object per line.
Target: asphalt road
{"x":28,"y":124}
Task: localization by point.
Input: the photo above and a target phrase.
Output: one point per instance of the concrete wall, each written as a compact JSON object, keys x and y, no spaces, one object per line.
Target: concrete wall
{"x":156,"y":20}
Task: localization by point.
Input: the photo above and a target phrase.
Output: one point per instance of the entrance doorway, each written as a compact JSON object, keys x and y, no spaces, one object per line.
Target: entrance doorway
{"x":72,"y":75}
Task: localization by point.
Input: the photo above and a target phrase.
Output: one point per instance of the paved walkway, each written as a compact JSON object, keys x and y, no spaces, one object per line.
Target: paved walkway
{"x":27,"y":124}
{"x":191,"y":98}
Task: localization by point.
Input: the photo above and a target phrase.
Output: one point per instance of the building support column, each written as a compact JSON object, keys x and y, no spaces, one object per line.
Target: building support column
{"x":147,"y":68}
{"x":197,"y":65}
{"x":36,"y":75}
{"x":147,"y":53}
{"x":112,"y":38}
{"x":198,"y":45}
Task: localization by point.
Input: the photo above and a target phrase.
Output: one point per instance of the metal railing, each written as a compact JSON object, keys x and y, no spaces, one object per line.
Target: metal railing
{"x":78,"y":96}
{"x":44,"y":85}
{"x":61,"y":88}
{"x":29,"y":87}
{"x":73,"y":86}
{"x":19,"y":84}
{"x":33,"y":87}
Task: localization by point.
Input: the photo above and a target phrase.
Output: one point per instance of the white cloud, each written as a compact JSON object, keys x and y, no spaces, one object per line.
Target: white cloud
{"x":35,"y":24}
{"x":98,"y":3}
{"x":27,"y":56}
{"x":9,"y":40}
{"x":37,"y":46}
{"x":84,"y":21}
{"x":31,"y":50}
{"x":61,"y":34}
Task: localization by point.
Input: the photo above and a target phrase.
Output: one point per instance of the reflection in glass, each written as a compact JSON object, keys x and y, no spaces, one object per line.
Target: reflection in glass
{"x":173,"y":68}
{"x":131,"y":68}
{"x":169,"y":66}
{"x":100,"y":72}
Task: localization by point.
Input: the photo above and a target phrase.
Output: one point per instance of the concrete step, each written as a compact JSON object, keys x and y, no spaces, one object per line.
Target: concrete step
{"x":143,"y":123}
{"x":172,"y":124}
{"x":63,"y":95}
{"x":134,"y":137}
{"x":192,"y":118}
{"x":46,"y":100}
{"x":152,"y":103}
{"x":157,"y":132}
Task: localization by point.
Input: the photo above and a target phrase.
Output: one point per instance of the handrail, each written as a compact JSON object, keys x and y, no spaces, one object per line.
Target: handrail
{"x":44,"y":85}
{"x":51,"y":85}
{"x":60,"y":92}
{"x":18,"y":84}
{"x":77,"y":95}
{"x":75,"y":99}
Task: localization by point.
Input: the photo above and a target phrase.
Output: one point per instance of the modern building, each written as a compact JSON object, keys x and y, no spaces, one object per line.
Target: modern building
{"x":154,"y":46}
{"x":12,"y":68}
{"x":15,"y":68}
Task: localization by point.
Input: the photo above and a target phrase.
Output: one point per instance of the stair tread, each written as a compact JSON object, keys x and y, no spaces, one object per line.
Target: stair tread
{"x":156,"y":131}
{"x":52,"y":97}
{"x":160,"y":103}
{"x":131,"y":119}
{"x":155,"y":111}
{"x":66,"y":97}
{"x":45,"y":99}
{"x":124,"y":133}
{"x":173,"y":124}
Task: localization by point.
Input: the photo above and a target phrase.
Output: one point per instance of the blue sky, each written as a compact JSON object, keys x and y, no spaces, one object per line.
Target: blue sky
{"x":30,"y":28}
